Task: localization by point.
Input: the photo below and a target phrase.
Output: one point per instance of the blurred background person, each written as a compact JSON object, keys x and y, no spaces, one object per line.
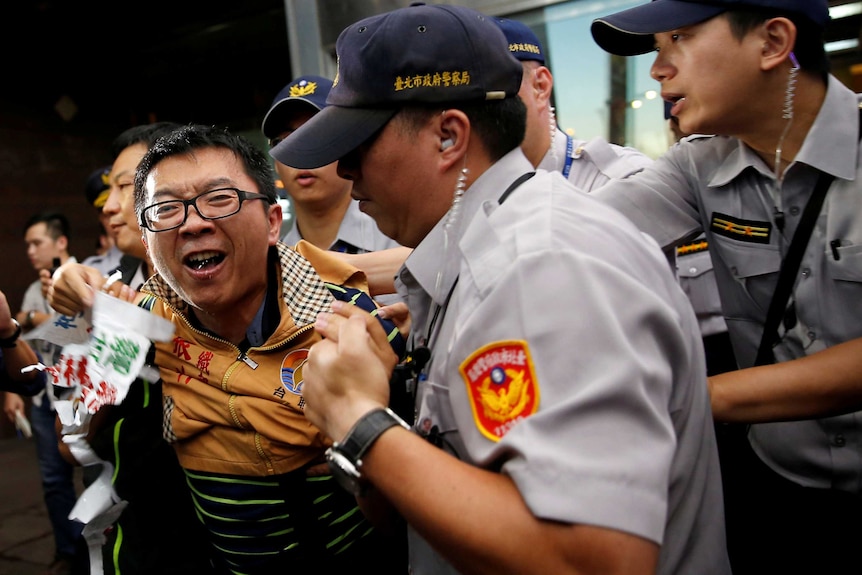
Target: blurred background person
{"x":96,"y":189}
{"x":324,"y":214}
{"x":47,"y":238}
{"x":587,"y":164}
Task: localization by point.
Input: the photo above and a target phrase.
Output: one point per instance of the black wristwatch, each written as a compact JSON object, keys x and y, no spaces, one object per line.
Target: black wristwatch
{"x":12,"y":340}
{"x":345,"y":456}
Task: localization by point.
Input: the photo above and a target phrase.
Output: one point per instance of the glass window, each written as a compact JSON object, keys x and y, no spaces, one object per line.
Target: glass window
{"x":582,"y":77}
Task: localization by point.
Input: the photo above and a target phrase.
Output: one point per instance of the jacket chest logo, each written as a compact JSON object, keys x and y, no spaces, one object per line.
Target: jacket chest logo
{"x":291,"y":370}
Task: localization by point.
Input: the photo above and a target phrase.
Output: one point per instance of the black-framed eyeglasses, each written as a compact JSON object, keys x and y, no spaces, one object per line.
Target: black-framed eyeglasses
{"x":211,"y":205}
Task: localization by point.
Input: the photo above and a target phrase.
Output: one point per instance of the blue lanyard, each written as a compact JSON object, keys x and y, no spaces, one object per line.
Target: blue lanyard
{"x":567,"y":167}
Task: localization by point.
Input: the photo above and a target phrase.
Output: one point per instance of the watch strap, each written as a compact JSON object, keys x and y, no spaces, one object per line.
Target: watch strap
{"x":366,"y":431}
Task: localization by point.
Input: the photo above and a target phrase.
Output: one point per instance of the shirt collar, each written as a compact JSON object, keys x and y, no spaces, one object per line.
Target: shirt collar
{"x":830,"y":145}
{"x":427,"y":258}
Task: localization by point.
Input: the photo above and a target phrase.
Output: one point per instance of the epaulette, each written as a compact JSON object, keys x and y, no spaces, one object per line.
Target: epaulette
{"x":692,"y":248}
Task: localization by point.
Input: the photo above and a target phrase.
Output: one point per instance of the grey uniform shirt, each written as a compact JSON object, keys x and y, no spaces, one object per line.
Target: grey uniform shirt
{"x":357,"y":234}
{"x":569,"y":359}
{"x":592,"y":163}
{"x":719,"y":186}
{"x":105,"y":263}
{"x":697,"y":278}
{"x":596,"y":162}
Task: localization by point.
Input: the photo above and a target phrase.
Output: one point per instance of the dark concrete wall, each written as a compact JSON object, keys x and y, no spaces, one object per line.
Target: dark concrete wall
{"x":44,"y":162}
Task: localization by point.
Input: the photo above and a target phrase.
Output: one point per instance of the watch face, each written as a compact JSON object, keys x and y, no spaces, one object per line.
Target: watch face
{"x":343,"y":470}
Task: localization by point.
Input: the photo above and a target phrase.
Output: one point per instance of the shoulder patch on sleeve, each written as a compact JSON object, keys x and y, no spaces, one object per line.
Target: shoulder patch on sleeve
{"x":502,"y":387}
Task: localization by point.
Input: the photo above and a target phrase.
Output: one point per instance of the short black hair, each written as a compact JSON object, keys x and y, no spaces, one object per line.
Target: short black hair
{"x":146,"y":134}
{"x":56,"y":224}
{"x":186,"y":139}
{"x":500,"y":124}
{"x":809,"y":50}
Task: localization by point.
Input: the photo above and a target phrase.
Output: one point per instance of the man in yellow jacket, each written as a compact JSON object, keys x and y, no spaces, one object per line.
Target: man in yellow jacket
{"x":243,"y":306}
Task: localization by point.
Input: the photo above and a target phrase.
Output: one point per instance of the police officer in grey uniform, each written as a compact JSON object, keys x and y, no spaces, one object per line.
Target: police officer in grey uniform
{"x":587,"y":164}
{"x":562,"y":421}
{"x":591,"y":164}
{"x":782,"y":122}
{"x":319,"y":198}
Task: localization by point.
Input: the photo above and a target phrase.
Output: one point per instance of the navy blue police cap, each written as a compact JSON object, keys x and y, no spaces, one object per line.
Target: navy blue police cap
{"x":98,"y":186}
{"x":303,"y":92}
{"x":523,"y":42}
{"x":630,"y":32}
{"x":421,"y":54}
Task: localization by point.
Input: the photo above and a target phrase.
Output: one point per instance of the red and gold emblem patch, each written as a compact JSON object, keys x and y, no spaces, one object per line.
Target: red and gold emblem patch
{"x":501,"y":385}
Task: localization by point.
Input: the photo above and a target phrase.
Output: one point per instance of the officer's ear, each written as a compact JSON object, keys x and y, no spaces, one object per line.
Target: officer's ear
{"x":543,"y":83}
{"x":778,"y":39}
{"x":453,"y":129}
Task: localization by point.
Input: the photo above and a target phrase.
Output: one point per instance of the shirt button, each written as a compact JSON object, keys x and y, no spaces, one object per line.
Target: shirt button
{"x":806,"y":272}
{"x":838,"y":441}
{"x":692,"y":270}
{"x":794,"y":211}
{"x":812,"y":336}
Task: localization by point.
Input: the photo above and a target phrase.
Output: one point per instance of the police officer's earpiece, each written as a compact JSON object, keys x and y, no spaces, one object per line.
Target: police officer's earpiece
{"x":445,"y":144}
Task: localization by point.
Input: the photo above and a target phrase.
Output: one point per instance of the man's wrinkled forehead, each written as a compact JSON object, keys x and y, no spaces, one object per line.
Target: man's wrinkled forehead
{"x":160,"y":191}
{"x":186,"y":175}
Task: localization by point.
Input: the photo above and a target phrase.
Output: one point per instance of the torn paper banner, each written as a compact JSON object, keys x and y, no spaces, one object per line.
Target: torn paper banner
{"x":62,"y":329}
{"x":100,"y":371}
{"x":98,"y":508}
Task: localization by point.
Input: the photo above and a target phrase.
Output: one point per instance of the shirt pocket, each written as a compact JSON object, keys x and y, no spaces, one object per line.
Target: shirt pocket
{"x":697,"y":278}
{"x":753,"y":269}
{"x":844,"y":263}
{"x":842,"y":292}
